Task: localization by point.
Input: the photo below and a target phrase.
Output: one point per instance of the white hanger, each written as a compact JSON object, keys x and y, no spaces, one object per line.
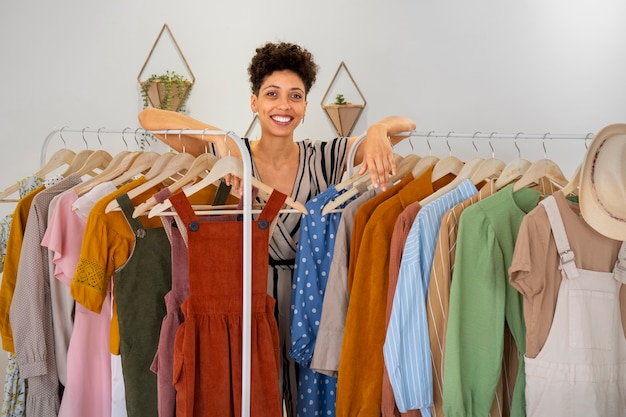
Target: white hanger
{"x":228,"y":165}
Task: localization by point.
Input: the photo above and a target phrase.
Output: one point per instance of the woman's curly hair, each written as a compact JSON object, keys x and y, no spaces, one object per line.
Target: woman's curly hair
{"x":281,"y":56}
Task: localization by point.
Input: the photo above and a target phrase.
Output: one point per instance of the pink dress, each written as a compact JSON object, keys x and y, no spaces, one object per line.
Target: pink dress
{"x":88,"y":388}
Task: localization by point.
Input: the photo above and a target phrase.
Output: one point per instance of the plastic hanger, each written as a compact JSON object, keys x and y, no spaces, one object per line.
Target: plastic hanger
{"x":542,"y":168}
{"x":404,"y":166}
{"x":228,"y":165}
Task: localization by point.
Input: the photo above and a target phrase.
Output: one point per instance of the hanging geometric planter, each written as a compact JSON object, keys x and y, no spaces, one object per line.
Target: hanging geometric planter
{"x":341,"y":113}
{"x":167,"y":90}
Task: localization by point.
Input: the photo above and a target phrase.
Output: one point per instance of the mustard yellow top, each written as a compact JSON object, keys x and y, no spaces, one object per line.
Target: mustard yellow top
{"x":9,"y":276}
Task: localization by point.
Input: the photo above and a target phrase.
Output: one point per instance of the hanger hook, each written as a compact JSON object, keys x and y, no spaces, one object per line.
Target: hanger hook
{"x":493,"y":153}
{"x":430,"y":149}
{"x":543,"y":143}
{"x":519,"y":153}
{"x":473,"y":143}
{"x":83,"y":135}
{"x":590,"y":134}
{"x":124,"y":137}
{"x":144,"y":141}
{"x":226,"y":142}
{"x":61,"y":136}
{"x":98,"y":136}
{"x":180,"y":132}
{"x":448,"y":143}
{"x":206,"y":145}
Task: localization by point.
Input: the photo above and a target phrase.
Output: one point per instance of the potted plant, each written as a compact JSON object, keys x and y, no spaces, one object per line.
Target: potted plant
{"x":343,"y":114}
{"x":168,"y":91}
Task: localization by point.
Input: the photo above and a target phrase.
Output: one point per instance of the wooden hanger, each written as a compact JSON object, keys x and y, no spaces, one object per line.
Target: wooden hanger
{"x":423,"y":164}
{"x":142,"y":163}
{"x":178,"y":165}
{"x":228,"y":165}
{"x":78,"y":161}
{"x":512,"y":172}
{"x":98,"y":160}
{"x":356,"y":177}
{"x":152,"y":180}
{"x":404,"y":166}
{"x":489,"y":168}
{"x":116,"y":167}
{"x":542,"y":168}
{"x":447,"y":165}
{"x":58,"y":159}
{"x":189,"y":166}
{"x":465,"y":173}
{"x":571,"y":188}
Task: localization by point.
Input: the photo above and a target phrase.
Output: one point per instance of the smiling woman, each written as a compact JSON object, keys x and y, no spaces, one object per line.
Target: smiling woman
{"x":281,"y":75}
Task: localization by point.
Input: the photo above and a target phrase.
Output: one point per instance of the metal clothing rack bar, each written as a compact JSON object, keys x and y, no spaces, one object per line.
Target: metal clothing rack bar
{"x":103,"y":131}
{"x":475,"y":135}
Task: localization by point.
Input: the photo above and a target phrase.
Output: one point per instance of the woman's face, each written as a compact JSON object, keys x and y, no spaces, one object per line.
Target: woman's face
{"x":281,"y":103}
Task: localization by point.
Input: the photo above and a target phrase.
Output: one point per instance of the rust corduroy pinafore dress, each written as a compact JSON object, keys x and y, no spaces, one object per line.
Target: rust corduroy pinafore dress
{"x":208,"y":345}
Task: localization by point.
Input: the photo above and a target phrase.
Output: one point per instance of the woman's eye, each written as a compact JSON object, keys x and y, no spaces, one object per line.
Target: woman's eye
{"x":296,"y":96}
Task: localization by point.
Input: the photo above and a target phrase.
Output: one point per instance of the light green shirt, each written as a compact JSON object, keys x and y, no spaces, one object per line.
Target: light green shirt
{"x":481,"y":301}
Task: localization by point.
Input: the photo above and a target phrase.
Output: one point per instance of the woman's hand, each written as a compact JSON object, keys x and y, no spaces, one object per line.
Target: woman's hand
{"x":377,"y":156}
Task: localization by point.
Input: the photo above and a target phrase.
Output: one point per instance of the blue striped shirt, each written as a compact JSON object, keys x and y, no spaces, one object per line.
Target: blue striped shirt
{"x":407,"y":348}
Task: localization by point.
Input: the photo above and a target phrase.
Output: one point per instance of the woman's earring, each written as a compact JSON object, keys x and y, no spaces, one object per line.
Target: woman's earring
{"x":302,"y":122}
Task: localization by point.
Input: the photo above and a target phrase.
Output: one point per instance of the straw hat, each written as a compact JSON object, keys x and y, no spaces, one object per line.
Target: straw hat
{"x":602,"y":190}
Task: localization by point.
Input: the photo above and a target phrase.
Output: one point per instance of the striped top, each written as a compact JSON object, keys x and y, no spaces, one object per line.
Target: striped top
{"x":321,"y":164}
{"x":406,"y":349}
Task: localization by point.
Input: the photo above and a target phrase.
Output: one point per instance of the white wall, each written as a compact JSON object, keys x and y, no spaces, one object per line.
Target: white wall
{"x":530,"y":66}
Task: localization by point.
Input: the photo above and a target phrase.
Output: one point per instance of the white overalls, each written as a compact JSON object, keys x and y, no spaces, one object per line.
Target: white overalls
{"x":581,"y":369}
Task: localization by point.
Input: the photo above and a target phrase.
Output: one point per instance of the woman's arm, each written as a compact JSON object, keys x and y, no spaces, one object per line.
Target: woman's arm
{"x":156,"y":119}
{"x":375,"y":152}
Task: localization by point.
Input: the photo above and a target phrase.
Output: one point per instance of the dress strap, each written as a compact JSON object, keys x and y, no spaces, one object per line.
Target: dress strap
{"x":162,"y":195}
{"x":183,"y":207}
{"x":273,"y":206}
{"x":566,"y":263}
{"x":127,"y":208}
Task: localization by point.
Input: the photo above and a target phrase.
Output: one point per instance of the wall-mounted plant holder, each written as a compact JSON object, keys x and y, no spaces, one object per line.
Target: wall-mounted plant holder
{"x":167,"y":89}
{"x":343,"y":114}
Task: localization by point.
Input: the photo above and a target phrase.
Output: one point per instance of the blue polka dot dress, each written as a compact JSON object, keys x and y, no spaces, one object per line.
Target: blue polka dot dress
{"x":316,"y":392}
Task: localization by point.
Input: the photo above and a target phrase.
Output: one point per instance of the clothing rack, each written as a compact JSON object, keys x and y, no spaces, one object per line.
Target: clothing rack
{"x":247,"y":233}
{"x":475,"y":135}
{"x":98,"y":132}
